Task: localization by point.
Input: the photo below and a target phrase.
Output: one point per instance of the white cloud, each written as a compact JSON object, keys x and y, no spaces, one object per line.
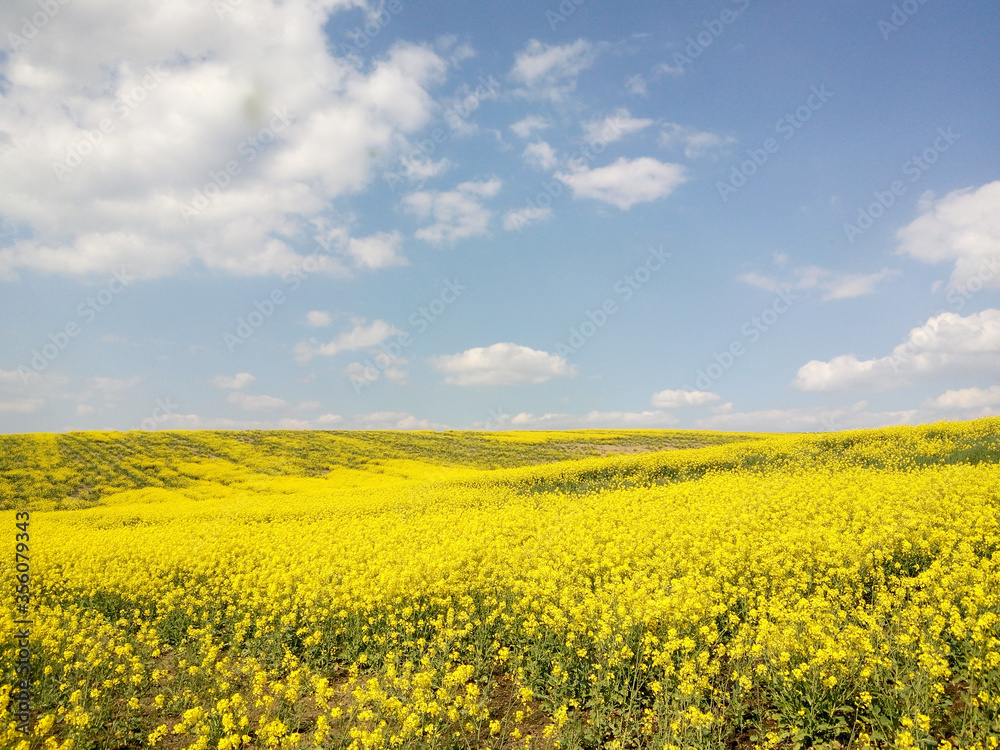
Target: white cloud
{"x":392,"y":370}
{"x":198,"y":422}
{"x":21,"y":405}
{"x":256,"y":403}
{"x":696,"y":143}
{"x":384,"y":420}
{"x":361,"y":336}
{"x":114,"y":338}
{"x":207,"y":87}
{"x":11,"y":379}
{"x":946,"y":344}
{"x":986,"y":401}
{"x":457,"y":214}
{"x":396,"y":375}
{"x":235,"y":382}
{"x":393,"y":420}
{"x":112,"y":387}
{"x":963,"y":227}
{"x":459,"y":109}
{"x":48,"y":389}
{"x":625,"y":182}
{"x":614,"y":127}
{"x":663,"y":69}
{"x":540,"y":155}
{"x":550,"y":71}
{"x":26,"y":377}
{"x":846,"y":371}
{"x":846,"y":286}
{"x":106,"y":391}
{"x":812,"y":419}
{"x":484,"y":189}
{"x":835,"y":285}
{"x":447,"y":43}
{"x":419,"y":169}
{"x":380,"y":250}
{"x":636,"y":85}
{"x":327,"y":420}
{"x":529,"y":125}
{"x":676,"y":399}
{"x":593,"y":420}
{"x":359,"y":371}
{"x":318,"y":318}
{"x":501,"y":364}
{"x":519,"y":218}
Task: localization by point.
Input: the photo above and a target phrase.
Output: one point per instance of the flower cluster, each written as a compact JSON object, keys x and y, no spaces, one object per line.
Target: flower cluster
{"x":345,"y":590}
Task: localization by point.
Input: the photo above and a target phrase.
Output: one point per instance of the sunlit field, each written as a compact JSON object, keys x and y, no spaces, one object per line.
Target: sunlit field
{"x":616,"y":589}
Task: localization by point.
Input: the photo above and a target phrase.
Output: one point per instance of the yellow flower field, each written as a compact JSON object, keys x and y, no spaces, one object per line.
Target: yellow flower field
{"x":500,"y":590}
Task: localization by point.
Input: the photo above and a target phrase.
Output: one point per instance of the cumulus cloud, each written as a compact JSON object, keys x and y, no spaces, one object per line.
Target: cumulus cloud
{"x":983,"y":401}
{"x":809,"y":419}
{"x":678,"y":398}
{"x":361,"y":336}
{"x":200,"y":422}
{"x":105,"y":392}
{"x":233,"y":382}
{"x":20,"y":405}
{"x":636,"y":85}
{"x":27,"y":392}
{"x":540,"y":155}
{"x":256,"y":403}
{"x":834,"y":285}
{"x":614,"y":127}
{"x":456,"y":214}
{"x":592,"y":420}
{"x":237,"y":397}
{"x":417,"y":168}
{"x":379,"y":420}
{"x":550,"y":71}
{"x":664,"y":69}
{"x":391,"y":368}
{"x":695,"y":143}
{"x":112,"y":387}
{"x":211,"y":153}
{"x":318,"y":318}
{"x":501,"y":364}
{"x":381,"y":250}
{"x":518,"y":218}
{"x":393,"y":420}
{"x":458,"y":110}
{"x":625,"y":182}
{"x":963,"y":227}
{"x":946,"y":344}
{"x":529,"y":126}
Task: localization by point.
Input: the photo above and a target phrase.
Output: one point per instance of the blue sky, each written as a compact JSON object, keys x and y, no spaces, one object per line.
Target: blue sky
{"x":337,"y":214}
